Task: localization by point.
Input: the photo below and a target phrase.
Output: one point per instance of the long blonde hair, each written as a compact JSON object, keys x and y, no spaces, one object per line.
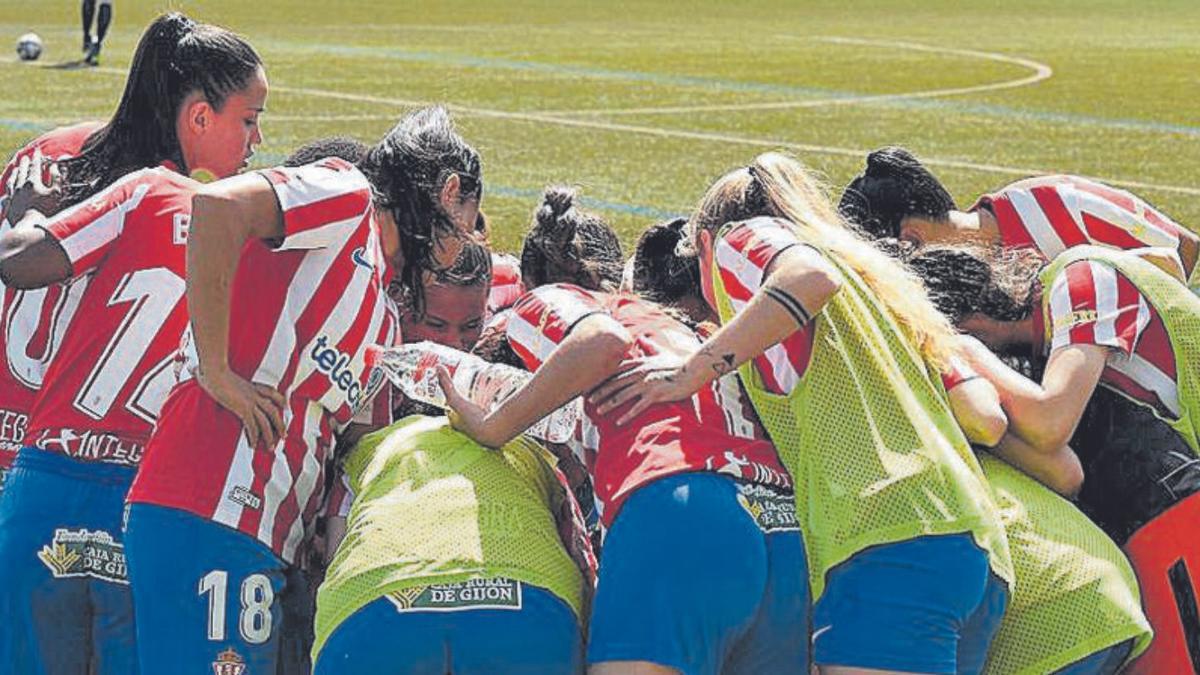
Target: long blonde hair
{"x":780,"y":186}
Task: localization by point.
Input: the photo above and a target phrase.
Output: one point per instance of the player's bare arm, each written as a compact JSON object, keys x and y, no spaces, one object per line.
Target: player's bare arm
{"x":976,"y":407}
{"x":797,"y":286}
{"x":590,"y":354}
{"x":1059,"y":470}
{"x":1043,"y":415}
{"x":225,"y":215}
{"x":30,"y":257}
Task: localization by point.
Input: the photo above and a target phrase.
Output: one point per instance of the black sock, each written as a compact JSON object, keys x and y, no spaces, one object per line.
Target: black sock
{"x":89,"y":11}
{"x":104,"y":19}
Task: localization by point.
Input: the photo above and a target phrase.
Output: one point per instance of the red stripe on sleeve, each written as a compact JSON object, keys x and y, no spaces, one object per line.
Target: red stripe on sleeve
{"x":1082,"y":288}
{"x":1129,"y":300}
{"x":320,"y":213}
{"x":1013,"y":233}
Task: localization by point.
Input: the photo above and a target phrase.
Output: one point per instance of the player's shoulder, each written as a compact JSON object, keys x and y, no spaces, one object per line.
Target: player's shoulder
{"x":62,"y":141}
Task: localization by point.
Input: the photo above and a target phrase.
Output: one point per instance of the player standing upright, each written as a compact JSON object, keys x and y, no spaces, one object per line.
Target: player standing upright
{"x":61,"y":551}
{"x":91,"y":46}
{"x":287,"y":270}
{"x":32,"y":323}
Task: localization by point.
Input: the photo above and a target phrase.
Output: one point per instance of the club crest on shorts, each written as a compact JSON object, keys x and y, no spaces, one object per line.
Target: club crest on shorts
{"x":85,"y":553}
{"x":229,"y":662}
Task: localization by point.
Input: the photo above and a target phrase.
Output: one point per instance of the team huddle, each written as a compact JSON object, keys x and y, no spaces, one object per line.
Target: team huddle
{"x":873,"y":433}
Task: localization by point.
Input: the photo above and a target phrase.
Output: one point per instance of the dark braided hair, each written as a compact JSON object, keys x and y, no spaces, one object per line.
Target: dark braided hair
{"x":569,"y":245}
{"x":407,"y":171}
{"x":965,"y":280}
{"x":894,"y":186}
{"x":342,"y":147}
{"x":175,"y":57}
{"x":472,"y":267}
{"x":660,"y":273}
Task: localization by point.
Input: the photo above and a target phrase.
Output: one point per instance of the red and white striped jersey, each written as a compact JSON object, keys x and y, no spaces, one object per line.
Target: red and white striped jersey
{"x":507,"y":285}
{"x":104,"y":388}
{"x":742,"y":256}
{"x":32,"y":323}
{"x":1054,"y":213}
{"x":1092,"y":303}
{"x":715,"y":430}
{"x":303,"y":313}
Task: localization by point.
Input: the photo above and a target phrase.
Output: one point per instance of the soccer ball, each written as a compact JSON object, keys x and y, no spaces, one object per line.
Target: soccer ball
{"x":29,"y":47}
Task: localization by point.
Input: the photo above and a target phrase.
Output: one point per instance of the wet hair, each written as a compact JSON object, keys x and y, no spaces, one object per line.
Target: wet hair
{"x":660,"y":273}
{"x":778,"y":186}
{"x":407,"y":170}
{"x":175,"y":57}
{"x":964,"y":280}
{"x":894,"y":186}
{"x":472,"y":267}
{"x":343,"y":147}
{"x":569,"y":245}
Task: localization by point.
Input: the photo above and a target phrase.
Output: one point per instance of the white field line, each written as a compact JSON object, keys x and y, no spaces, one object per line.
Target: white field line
{"x":538,"y":118}
{"x":1040,"y":72}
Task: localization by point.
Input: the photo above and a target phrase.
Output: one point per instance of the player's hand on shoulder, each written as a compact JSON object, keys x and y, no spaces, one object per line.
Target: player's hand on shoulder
{"x":35,"y":184}
{"x":646,"y":381}
{"x":259,"y":407}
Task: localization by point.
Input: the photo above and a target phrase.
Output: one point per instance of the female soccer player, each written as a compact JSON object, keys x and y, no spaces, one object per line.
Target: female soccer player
{"x":694,"y":488}
{"x":31,"y":181}
{"x":452,"y":560}
{"x":454,"y":586}
{"x":287,"y":270}
{"x":908,"y":560}
{"x":191,"y":103}
{"x":1075,"y":604}
{"x":1105,"y":322}
{"x":896,"y":196}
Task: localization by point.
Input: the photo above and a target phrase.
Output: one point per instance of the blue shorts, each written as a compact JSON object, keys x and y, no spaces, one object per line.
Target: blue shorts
{"x":926,"y":605}
{"x":691,"y":579}
{"x":510,"y":627}
{"x":1104,"y":662}
{"x":207,"y":597}
{"x":65,"y":597}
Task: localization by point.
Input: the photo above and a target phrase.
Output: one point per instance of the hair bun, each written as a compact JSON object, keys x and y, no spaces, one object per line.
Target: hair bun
{"x":886,"y":160}
{"x":556,"y":201}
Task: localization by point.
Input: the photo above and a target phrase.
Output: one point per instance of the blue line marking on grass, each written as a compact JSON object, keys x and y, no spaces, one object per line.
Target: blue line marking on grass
{"x":720,"y":84}
{"x":589,"y":202}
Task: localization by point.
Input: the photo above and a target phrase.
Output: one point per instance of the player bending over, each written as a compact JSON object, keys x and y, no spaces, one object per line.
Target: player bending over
{"x":896,"y":196}
{"x":1118,"y":339}
{"x":127,"y":202}
{"x":836,"y":343}
{"x":451,"y":584}
{"x":693,"y":487}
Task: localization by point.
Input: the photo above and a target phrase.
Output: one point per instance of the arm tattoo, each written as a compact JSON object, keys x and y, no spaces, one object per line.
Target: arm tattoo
{"x":723,"y":363}
{"x":789,"y":303}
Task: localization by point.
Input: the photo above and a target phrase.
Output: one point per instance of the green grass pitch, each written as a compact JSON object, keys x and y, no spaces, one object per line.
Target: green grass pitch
{"x":641,"y":104}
